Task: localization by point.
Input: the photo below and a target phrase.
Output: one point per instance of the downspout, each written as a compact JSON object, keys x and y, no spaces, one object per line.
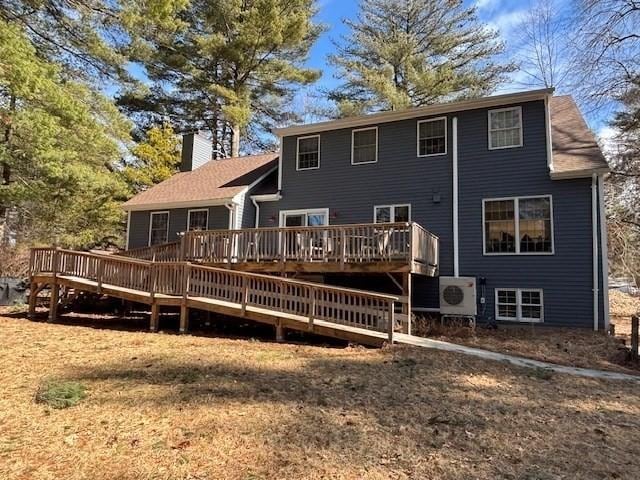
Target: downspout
{"x":547,"y":109}
{"x":126,"y":241}
{"x":231,"y":208}
{"x":604,"y":253}
{"x":454,"y":138}
{"x":594,"y":241}
{"x":255,"y":204}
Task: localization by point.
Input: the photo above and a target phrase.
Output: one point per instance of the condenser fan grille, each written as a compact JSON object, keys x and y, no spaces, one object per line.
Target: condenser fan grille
{"x":453,"y":295}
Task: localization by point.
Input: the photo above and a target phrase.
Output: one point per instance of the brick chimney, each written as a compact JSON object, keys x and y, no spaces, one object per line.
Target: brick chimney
{"x":196,"y":151}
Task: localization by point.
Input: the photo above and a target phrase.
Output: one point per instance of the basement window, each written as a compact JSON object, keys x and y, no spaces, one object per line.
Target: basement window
{"x":519,"y":305}
{"x":159,"y":228}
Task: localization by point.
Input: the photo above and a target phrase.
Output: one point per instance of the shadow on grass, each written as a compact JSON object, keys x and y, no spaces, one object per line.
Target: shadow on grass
{"x":395,"y":406}
{"x":201,"y":324}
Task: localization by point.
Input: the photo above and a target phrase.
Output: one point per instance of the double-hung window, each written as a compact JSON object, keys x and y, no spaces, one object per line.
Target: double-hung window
{"x":392,"y":213}
{"x":521,"y":225}
{"x":432,"y":137}
{"x":505,"y":128}
{"x":519,"y":304}
{"x":308,"y":153}
{"x":364,"y":145}
{"x":198,"y":219}
{"x":159,"y":228}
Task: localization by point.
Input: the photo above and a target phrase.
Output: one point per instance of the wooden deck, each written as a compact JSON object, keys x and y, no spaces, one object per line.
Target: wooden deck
{"x":361,"y":248}
{"x":355,"y":315}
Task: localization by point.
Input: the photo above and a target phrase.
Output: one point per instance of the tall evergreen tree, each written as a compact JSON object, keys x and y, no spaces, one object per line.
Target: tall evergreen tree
{"x":402,"y":53}
{"x":155,"y":158}
{"x":231,"y":68}
{"x":60,"y":140}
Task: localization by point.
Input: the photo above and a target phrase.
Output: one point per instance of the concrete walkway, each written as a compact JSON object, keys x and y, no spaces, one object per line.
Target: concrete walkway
{"x":514,"y":360}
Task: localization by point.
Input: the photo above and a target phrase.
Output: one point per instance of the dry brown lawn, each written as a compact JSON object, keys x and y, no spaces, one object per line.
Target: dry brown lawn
{"x":162,"y":406}
{"x":567,"y":346}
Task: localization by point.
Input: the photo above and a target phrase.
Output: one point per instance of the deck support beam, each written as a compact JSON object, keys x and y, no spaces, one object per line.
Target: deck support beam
{"x":155,"y":317}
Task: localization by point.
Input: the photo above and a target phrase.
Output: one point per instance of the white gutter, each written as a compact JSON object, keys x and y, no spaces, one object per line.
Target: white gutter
{"x":594,"y":242}
{"x":454,"y":138}
{"x":547,"y":109}
{"x":604,"y":253}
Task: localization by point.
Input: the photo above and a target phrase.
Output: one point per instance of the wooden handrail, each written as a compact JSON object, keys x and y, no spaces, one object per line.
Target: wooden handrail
{"x":364,"y":309}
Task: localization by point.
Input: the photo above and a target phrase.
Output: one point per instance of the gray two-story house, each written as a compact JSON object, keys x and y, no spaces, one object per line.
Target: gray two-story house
{"x":511,"y":186}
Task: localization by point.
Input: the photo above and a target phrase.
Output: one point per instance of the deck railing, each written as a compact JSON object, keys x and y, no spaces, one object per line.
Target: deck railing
{"x":166,"y":252}
{"x":357,"y":308}
{"x":380,"y":242}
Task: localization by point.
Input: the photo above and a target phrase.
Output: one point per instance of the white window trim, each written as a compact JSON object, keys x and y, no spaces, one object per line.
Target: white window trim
{"x":298,"y":153}
{"x":516,"y":213}
{"x":162,"y":212}
{"x":392,"y":210}
{"x":519,"y":109}
{"x":353,"y":135}
{"x":446,"y":140}
{"x":197,"y":210}
{"x":519,"y":317}
{"x":304,"y":211}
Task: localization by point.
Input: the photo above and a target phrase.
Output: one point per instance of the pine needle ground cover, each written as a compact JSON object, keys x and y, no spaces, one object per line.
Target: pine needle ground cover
{"x":162,"y":406}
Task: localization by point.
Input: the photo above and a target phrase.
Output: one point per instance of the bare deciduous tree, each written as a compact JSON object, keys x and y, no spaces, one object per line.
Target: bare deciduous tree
{"x":543,"y":46}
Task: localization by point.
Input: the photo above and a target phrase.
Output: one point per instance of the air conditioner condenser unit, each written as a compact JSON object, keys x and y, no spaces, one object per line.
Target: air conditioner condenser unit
{"x":458,"y":296}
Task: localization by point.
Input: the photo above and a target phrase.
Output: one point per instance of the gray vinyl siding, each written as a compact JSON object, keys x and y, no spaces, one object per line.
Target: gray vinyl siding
{"x":139,"y":223}
{"x":400,"y":176}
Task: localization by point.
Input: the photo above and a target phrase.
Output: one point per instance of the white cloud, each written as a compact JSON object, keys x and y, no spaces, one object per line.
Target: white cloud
{"x":506,"y":23}
{"x":487,"y":4}
{"x":607,"y":137}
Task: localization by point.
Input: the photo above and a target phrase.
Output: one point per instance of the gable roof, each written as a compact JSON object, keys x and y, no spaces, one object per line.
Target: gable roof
{"x":214,"y":183}
{"x":575,"y":150}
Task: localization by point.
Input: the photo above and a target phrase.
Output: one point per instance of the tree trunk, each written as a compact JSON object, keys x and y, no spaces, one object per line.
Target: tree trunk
{"x":8,"y":131}
{"x":235,"y":140}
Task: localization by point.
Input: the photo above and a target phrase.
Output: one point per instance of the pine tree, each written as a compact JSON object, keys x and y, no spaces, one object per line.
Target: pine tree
{"x":230,"y":70}
{"x":155,"y":158}
{"x":60,"y":141}
{"x":402,"y":53}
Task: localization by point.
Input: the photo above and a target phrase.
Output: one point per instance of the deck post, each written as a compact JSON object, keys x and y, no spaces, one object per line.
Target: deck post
{"x":279,"y":332}
{"x":155,"y":317}
{"x":184,"y":308}
{"x":33,"y":295}
{"x":406,"y":292}
{"x":55,"y":288}
{"x":392,"y":320}
{"x":245,"y":294}
{"x":312,"y":308}
{"x":53,"y":302}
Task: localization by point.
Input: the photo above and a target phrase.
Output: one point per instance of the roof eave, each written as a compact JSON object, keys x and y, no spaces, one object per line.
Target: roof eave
{"x":385,"y":117}
{"x":216,"y":202}
{"x":572,"y":174}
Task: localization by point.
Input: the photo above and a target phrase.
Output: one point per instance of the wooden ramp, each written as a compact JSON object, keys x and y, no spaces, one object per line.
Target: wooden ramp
{"x":354,"y":315}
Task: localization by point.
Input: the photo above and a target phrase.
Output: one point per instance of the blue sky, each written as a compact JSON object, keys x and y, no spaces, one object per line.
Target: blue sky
{"x":501,"y":15}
